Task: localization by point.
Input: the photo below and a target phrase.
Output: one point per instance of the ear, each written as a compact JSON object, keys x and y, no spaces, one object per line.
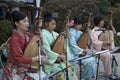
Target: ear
{"x":16,"y":23}
{"x":75,"y":25}
{"x":46,"y":24}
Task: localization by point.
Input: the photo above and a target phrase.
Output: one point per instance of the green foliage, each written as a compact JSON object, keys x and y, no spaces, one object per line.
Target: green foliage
{"x":60,"y":6}
{"x":104,"y":5}
{"x":117,"y":40}
{"x":116,"y":17}
{"x":94,"y":6}
{"x":116,"y":23}
{"x":5,"y":30}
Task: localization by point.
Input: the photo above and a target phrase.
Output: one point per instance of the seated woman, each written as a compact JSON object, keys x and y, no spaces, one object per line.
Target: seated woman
{"x":49,"y":36}
{"x":109,"y":35}
{"x":89,"y":64}
{"x":17,"y":66}
{"x":97,"y":44}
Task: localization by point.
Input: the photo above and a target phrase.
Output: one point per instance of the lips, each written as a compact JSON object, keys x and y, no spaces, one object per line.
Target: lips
{"x":26,"y":26}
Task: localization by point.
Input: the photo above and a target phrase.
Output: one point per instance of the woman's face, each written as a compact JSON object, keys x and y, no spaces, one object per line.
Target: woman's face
{"x":77,"y":27}
{"x":101,"y":24}
{"x":108,"y":27}
{"x":23,"y":25}
{"x":52,"y":25}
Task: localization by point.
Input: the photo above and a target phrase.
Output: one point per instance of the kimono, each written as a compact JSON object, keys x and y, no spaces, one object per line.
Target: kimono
{"x":48,"y":40}
{"x":112,"y":38}
{"x":96,"y":46}
{"x":89,"y":64}
{"x":17,"y":65}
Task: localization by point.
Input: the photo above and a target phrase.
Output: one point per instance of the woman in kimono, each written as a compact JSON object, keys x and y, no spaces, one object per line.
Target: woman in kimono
{"x":17,"y":66}
{"x":49,"y":36}
{"x":89,"y":64}
{"x":97,"y":44}
{"x":110,"y":36}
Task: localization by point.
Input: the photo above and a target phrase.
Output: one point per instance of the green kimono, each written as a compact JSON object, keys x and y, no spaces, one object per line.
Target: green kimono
{"x":48,"y":40}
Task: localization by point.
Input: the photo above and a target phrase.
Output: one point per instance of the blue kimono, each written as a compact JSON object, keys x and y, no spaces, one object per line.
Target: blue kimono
{"x":89,"y":64}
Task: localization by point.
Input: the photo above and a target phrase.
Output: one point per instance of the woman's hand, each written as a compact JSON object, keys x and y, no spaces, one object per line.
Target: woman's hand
{"x":62,"y":57}
{"x":111,"y":23}
{"x":40,"y":22}
{"x":89,"y":24}
{"x":35,"y":59}
{"x":85,"y":50}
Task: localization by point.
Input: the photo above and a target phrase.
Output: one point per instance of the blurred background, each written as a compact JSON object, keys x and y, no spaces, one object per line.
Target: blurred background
{"x":59,"y":10}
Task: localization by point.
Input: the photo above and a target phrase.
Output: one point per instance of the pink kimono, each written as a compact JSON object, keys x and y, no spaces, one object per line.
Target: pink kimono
{"x":96,"y":46}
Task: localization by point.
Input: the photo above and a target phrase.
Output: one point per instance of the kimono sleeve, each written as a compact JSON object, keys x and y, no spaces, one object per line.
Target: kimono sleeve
{"x":73,"y":44}
{"x":112,"y":46}
{"x":17,"y":53}
{"x":52,"y":56}
{"x":97,"y":44}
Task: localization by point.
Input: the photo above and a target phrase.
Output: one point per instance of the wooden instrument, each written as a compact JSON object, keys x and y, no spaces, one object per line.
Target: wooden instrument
{"x":106,"y":36}
{"x":32,"y":49}
{"x":58,"y":45}
{"x":83,"y":40}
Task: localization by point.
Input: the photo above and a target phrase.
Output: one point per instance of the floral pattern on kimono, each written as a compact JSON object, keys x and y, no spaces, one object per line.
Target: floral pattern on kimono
{"x":16,"y":67}
{"x":89,"y":64}
{"x":48,"y":40}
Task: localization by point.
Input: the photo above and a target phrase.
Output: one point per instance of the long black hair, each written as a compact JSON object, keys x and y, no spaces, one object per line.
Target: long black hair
{"x":16,"y":16}
{"x":77,"y":20}
{"x":97,"y":20}
{"x":48,"y":17}
{"x":107,"y":26}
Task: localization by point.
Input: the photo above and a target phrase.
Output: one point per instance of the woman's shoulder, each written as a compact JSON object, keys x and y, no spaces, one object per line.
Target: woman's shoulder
{"x":72,"y":29}
{"x":44,"y":31}
{"x":14,"y":38}
{"x":80,"y":32}
{"x":15,"y":35}
{"x":94,"y":29}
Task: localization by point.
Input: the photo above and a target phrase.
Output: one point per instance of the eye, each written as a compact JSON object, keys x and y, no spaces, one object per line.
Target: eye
{"x":53,"y":23}
{"x":24,"y":21}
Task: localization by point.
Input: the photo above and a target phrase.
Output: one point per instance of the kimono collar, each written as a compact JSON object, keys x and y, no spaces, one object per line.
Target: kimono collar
{"x":23,"y":35}
{"x":48,"y":31}
{"x":99,"y":29}
{"x":74,"y":29}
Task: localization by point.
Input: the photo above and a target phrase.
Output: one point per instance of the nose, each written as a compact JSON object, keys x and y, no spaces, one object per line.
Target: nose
{"x":27,"y":23}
